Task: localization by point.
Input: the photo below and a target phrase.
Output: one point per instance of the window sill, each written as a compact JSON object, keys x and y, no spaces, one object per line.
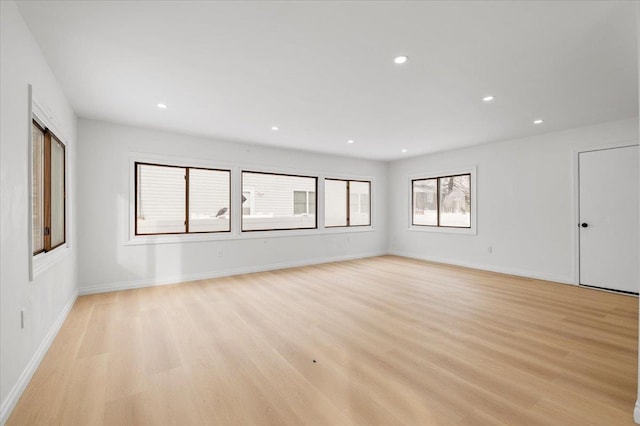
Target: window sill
{"x":179,"y":238}
{"x":44,"y":261}
{"x":348,"y":229}
{"x":303,"y":232}
{"x":444,"y":230}
{"x":247,"y":235}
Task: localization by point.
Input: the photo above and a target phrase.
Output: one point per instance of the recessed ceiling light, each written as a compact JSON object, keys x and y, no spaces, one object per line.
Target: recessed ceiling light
{"x":400,"y":59}
{"x":350,"y":141}
{"x":538,"y":121}
{"x":488,"y":98}
{"x":403,"y":150}
{"x":274,"y":128}
{"x":162,"y":106}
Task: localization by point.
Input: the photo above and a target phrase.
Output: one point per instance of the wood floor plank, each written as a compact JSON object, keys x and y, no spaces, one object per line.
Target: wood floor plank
{"x":84,"y":401}
{"x":125,"y":411}
{"x":394,"y":340}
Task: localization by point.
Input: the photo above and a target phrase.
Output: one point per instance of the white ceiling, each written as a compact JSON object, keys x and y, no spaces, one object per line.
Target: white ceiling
{"x":324,"y":73}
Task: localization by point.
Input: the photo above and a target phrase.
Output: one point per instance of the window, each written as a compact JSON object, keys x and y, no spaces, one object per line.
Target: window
{"x":304,"y":202}
{"x":278,"y":201}
{"x":359,"y":203}
{"x":47,"y":190}
{"x":180,"y":200}
{"x":347,"y":203}
{"x":443,"y":201}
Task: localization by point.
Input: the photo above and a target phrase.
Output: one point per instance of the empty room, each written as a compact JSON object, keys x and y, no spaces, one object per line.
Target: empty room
{"x":319,"y":212}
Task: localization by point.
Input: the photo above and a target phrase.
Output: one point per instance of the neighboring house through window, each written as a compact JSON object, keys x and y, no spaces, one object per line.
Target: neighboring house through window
{"x":278,"y":201}
{"x":181,"y":200}
{"x":304,"y":202}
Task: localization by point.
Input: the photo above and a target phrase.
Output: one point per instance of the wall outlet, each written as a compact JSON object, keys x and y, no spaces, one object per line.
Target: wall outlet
{"x":489,"y":249}
{"x":220,"y":253}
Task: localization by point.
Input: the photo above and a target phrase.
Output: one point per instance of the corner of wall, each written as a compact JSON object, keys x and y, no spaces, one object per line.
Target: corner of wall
{"x":636,"y":411}
{"x":52,"y":294}
{"x":16,"y":391}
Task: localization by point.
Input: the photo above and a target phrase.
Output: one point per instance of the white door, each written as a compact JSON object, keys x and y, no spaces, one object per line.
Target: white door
{"x":609,"y":218}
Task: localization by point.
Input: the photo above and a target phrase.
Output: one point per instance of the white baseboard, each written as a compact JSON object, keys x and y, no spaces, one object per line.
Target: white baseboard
{"x":16,"y":392}
{"x":128,"y":285}
{"x":492,"y":268}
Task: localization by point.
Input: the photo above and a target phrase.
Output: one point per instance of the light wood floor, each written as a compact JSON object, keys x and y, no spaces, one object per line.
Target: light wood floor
{"x":396,"y":341}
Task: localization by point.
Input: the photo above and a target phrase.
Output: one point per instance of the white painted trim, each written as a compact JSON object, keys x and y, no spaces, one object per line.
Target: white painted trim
{"x":575,"y":202}
{"x":128,"y":285}
{"x":473,"y":171}
{"x":16,"y":392}
{"x":443,"y":229}
{"x":305,"y":232}
{"x":562,"y":279}
{"x":44,"y":261}
{"x":48,"y":119}
{"x":636,"y":412}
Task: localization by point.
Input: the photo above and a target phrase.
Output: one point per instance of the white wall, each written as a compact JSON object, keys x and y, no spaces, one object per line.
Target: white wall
{"x":636,"y":411}
{"x":525,"y":203}
{"x":46,"y":299}
{"x":106,"y":263}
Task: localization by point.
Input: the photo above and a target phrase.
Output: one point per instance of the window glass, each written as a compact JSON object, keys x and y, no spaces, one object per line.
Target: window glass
{"x":47,"y":190}
{"x":360,"y":196}
{"x":455,"y":201}
{"x":161,"y":192}
{"x":358,"y":210}
{"x":279,"y":201}
{"x":57,"y":193}
{"x":299,"y":202}
{"x":247,"y":199}
{"x":335,"y":203}
{"x":365,"y":203}
{"x":304,"y":202}
{"x":425,"y":203}
{"x":311,"y":201}
{"x":209,"y":200}
{"x":443,"y":201}
{"x":37,"y":188}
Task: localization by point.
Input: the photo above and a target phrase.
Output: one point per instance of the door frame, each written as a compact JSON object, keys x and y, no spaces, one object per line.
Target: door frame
{"x":576,"y":201}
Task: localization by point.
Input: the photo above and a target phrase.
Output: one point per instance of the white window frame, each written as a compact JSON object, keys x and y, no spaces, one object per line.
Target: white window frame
{"x":41,"y":262}
{"x":444,"y":173}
